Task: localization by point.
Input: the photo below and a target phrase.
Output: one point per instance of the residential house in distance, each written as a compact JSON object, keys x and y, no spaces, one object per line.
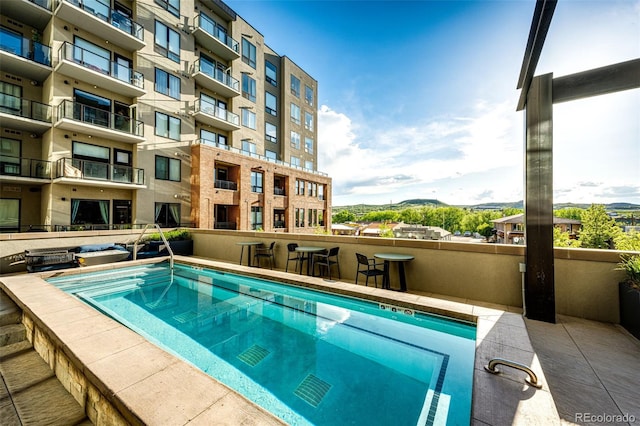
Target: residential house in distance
{"x":118,"y":113}
{"x":510,"y":229}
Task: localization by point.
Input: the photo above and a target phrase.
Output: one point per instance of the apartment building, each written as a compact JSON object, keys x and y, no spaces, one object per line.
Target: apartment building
{"x":176,"y":112}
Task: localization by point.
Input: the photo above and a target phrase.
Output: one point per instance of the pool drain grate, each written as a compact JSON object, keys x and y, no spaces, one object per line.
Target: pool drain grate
{"x":312,"y":390}
{"x":253,"y":355}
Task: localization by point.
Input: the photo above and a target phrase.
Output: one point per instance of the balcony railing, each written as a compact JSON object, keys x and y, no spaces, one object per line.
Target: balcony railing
{"x":95,"y":170}
{"x":215,"y":111}
{"x":24,"y":47}
{"x":101,"y":64}
{"x":104,"y":12}
{"x":215,"y":73}
{"x":254,"y":155}
{"x":225,"y":225}
{"x":24,"y":108}
{"x":97,"y":117}
{"x":43,"y":3}
{"x":279,"y":224}
{"x":25,"y":167}
{"x":225,"y":184}
{"x":210,"y":27}
{"x":278,"y":191}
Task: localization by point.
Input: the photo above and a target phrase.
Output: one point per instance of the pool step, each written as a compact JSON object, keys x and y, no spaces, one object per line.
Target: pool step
{"x":30,"y":393}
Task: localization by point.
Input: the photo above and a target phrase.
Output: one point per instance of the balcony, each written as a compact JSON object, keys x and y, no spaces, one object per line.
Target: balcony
{"x":77,"y":117}
{"x":215,"y":116}
{"x":36,"y":12}
{"x":225,"y":184}
{"x":84,"y":65}
{"x":25,"y":170}
{"x":94,"y":173}
{"x":215,"y":79}
{"x":212,"y":38}
{"x":24,"y":57}
{"x":99,"y":19}
{"x":22,"y":114}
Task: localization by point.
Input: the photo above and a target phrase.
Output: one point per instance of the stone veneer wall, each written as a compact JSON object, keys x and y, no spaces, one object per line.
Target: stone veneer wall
{"x":96,"y":406}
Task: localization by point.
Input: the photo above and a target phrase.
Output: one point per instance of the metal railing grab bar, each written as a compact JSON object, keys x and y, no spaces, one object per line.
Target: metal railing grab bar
{"x":164,"y":240}
{"x":532,"y":380}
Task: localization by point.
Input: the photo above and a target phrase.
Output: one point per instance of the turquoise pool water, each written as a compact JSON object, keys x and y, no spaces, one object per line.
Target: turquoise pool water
{"x":306,"y":356}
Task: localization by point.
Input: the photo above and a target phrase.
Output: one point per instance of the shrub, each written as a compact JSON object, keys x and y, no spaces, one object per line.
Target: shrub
{"x":631,"y":267}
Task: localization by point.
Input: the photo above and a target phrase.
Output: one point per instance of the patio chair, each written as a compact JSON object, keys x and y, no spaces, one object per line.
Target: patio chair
{"x":292,"y":254}
{"x":265,"y":253}
{"x":327,"y":259}
{"x":368,"y":268}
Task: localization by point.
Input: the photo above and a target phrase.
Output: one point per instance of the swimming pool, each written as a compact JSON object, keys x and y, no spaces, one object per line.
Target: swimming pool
{"x":306,"y":356}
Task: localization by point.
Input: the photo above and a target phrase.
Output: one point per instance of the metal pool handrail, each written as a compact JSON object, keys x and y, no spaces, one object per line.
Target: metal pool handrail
{"x":164,"y":240}
{"x":532,"y":380}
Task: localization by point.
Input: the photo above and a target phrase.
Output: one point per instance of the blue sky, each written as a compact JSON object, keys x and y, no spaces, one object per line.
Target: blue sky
{"x":417,"y":99}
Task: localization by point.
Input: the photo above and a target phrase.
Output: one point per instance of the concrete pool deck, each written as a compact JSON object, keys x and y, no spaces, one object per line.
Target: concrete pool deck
{"x":148,"y":385}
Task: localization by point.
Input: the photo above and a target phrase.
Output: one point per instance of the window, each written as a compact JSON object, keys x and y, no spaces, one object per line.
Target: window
{"x":295,"y":161}
{"x":97,"y":110}
{"x":92,"y":160}
{"x":295,"y":86}
{"x":173,"y":6}
{"x":308,"y":121}
{"x":248,"y":53}
{"x":256,"y":217}
{"x":10,"y":95}
{"x":208,"y":137}
{"x":295,"y":140}
{"x":167,"y":168}
{"x":167,"y":215}
{"x":271,"y":155}
{"x":10,"y":151}
{"x":248,"y":87}
{"x":295,"y":113}
{"x":313,"y":217}
{"x":167,"y":41}
{"x":299,"y":216}
{"x":248,"y":146}
{"x":308,"y":165}
{"x":308,"y":95}
{"x":321,"y":192}
{"x":271,"y":73}
{"x":248,"y":118}
{"x":89,"y":212}
{"x":167,"y":126}
{"x":308,"y":145}
{"x":299,"y":187}
{"x":9,"y":215}
{"x":167,"y":84}
{"x":256,"y":182}
{"x":271,"y":132}
{"x":91,"y":55}
{"x":271,"y":104}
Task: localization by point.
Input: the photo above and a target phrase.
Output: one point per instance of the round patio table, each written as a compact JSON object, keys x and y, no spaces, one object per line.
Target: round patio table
{"x":309,"y":250}
{"x":247,"y":244}
{"x":400,"y":260}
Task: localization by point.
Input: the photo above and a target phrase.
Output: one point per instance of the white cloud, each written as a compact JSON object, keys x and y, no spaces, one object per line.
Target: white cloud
{"x":414,"y":162}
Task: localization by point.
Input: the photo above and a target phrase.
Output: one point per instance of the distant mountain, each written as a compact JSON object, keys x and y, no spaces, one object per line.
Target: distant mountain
{"x":428,"y":202}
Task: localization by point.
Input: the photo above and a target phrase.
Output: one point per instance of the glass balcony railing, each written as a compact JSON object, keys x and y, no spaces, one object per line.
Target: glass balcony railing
{"x":104,"y":12}
{"x":24,"y":167}
{"x":24,"y":108}
{"x":225,"y":184}
{"x":210,"y":27}
{"x":95,"y":170}
{"x":101,"y":64}
{"x":215,"y":111}
{"x":210,"y":70}
{"x":101,"y":118}
{"x":43,"y":3}
{"x":24,"y":47}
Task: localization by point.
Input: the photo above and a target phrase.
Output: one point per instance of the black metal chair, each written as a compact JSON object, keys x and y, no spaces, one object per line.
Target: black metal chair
{"x":265,"y":253}
{"x":367,"y":267}
{"x":327,"y":259}
{"x":292,"y":254}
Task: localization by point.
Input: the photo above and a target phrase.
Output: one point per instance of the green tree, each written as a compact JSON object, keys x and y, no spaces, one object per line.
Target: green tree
{"x":381,"y":216}
{"x":599,"y":230}
{"x":628,"y":241}
{"x":479,"y":221}
{"x":511,"y":211}
{"x":343,"y":216}
{"x":569,"y":213}
{"x":410,"y":215}
{"x":562,"y":239}
{"x":386,"y":231}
